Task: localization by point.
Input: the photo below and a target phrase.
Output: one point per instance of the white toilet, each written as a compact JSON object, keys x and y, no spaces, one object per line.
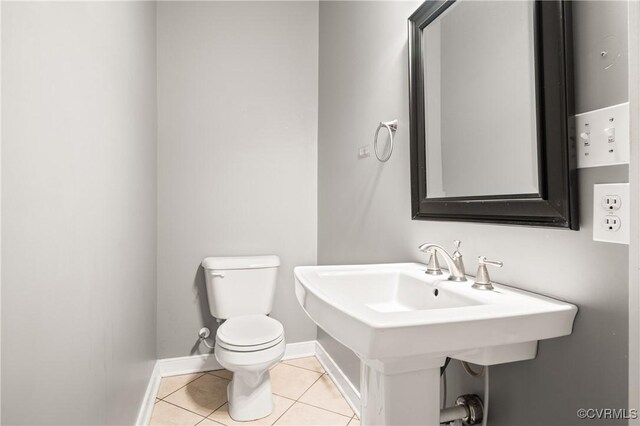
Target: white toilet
{"x":241,"y":291}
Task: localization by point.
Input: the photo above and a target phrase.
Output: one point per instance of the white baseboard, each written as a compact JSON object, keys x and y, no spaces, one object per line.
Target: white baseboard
{"x":188,"y":364}
{"x":300,"y":350}
{"x":201,"y":363}
{"x":144,"y":415}
{"x":207,"y":362}
{"x":346,"y":388}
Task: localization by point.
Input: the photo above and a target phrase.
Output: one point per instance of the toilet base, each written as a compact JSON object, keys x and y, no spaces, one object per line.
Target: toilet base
{"x":249,"y":393}
{"x":249,"y":396}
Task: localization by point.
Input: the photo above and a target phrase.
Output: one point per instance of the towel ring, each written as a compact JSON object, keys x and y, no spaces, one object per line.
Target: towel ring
{"x":391,"y":127}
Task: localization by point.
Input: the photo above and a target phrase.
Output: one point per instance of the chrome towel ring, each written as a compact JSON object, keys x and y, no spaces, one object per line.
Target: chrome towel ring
{"x":391,"y":127}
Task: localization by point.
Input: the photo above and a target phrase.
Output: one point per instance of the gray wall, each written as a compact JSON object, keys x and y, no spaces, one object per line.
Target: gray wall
{"x":634,"y":180}
{"x":600,"y":26}
{"x":78,"y":211}
{"x":364,"y":216}
{"x":237,"y":153}
{"x":0,"y":206}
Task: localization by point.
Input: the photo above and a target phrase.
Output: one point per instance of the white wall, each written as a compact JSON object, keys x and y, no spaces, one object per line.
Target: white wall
{"x":365,"y":216}
{"x":78,"y":211}
{"x":237,"y":153}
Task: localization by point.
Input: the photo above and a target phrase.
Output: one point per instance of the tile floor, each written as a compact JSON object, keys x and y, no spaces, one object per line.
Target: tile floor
{"x":303,"y":394}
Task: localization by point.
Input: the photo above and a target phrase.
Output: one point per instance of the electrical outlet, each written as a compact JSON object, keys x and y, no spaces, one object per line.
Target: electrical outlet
{"x":611,"y":202}
{"x":611,"y":223}
{"x":611,"y":215}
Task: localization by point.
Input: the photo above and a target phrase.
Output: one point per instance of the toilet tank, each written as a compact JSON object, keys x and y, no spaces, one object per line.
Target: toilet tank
{"x":240,"y":285}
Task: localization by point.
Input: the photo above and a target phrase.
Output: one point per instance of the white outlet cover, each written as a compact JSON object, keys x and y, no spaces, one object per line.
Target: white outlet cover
{"x":601,"y":229}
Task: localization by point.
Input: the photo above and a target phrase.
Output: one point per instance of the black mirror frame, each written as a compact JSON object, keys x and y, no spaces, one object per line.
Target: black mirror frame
{"x":556,"y":203}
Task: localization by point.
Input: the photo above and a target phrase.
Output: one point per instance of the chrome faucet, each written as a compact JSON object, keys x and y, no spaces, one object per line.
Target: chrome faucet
{"x":456,"y":273}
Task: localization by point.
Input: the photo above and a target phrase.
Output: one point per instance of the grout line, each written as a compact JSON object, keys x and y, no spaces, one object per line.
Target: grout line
{"x":326,"y":409}
{"x":294,"y":400}
{"x":217,"y":410}
{"x":186,"y":409}
{"x":218,"y":423}
{"x":166,"y":396}
{"x":283,"y":413}
{"x":307,"y":390}
{"x":323,"y":408}
{"x":206,"y":418}
{"x":279,"y":396}
{"x":201,"y":374}
{"x":297,"y":400}
{"x":213,"y":373}
{"x":304,"y":368}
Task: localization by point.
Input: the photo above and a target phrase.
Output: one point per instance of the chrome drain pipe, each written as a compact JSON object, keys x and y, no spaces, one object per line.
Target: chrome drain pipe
{"x":450,"y":414}
{"x":468,"y":408}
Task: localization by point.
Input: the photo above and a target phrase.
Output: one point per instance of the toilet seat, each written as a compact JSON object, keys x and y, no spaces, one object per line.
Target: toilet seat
{"x":249,"y":333}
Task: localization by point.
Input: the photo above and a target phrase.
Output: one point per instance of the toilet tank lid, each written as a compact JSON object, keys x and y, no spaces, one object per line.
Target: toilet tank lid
{"x":240,"y":262}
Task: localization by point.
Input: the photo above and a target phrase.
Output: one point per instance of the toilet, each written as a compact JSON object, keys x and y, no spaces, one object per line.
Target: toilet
{"x":241,"y":290}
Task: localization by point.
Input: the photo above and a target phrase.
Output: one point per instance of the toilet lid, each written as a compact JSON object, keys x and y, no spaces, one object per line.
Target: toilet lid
{"x":249,"y":331}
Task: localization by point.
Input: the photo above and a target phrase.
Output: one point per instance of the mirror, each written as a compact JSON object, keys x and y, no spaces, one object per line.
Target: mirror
{"x":490,"y":107}
{"x":466,"y":57}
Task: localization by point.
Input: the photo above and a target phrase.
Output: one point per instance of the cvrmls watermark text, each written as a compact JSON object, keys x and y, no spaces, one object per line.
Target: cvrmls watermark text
{"x":607,"y":413}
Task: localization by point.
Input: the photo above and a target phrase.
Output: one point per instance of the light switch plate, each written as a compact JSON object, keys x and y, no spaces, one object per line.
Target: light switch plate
{"x":602,"y":136}
{"x":611,"y":213}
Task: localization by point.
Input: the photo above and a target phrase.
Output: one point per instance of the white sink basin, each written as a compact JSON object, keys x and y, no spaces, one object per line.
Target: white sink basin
{"x":403,"y":323}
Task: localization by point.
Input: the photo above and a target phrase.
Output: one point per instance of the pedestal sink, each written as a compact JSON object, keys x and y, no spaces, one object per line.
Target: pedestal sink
{"x":403,"y":323}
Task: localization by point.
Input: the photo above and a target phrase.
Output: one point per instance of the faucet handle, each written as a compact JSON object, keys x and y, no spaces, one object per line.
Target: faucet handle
{"x":482,"y":260}
{"x":483,"y":281}
{"x":433,"y":267}
{"x":457,"y":258}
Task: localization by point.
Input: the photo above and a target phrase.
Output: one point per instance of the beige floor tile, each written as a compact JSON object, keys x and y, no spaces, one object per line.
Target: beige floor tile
{"x":208,"y":422}
{"x":354,"y":422}
{"x":225,"y":374}
{"x":302,"y":414}
{"x":281,"y":405}
{"x":325,"y":394}
{"x":171,"y":384}
{"x":169,"y":415}
{"x":291,"y":382}
{"x":310,"y":363}
{"x":203,"y":396}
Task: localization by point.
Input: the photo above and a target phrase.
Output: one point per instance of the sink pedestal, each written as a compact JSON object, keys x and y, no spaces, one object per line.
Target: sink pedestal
{"x":404,"y":391}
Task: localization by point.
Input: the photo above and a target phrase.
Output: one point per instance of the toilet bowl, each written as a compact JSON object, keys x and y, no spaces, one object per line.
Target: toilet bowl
{"x":241,"y":290}
{"x":249,"y":346}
